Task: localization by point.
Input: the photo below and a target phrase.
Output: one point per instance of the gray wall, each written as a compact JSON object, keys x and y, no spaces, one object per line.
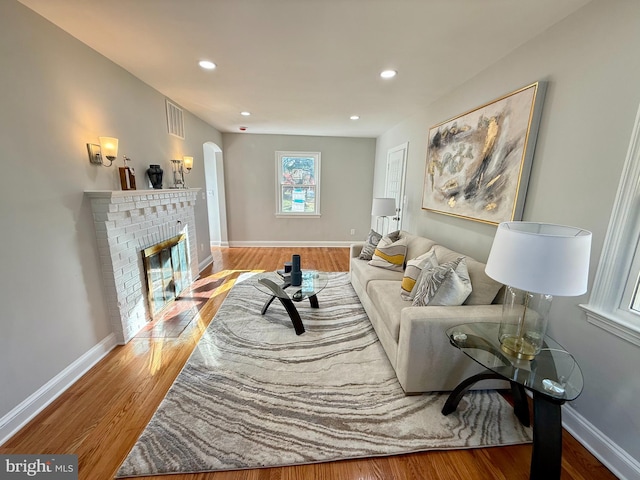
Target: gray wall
{"x":58,"y":95}
{"x":592,"y":65}
{"x":346,"y":188}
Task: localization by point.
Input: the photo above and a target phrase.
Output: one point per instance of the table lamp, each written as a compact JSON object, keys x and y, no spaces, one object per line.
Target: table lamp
{"x":383,"y":207}
{"x":535,"y":261}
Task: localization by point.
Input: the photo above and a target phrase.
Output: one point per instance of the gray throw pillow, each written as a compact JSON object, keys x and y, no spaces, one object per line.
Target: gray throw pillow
{"x":448,"y":284}
{"x":412,"y":273}
{"x":370,"y":245}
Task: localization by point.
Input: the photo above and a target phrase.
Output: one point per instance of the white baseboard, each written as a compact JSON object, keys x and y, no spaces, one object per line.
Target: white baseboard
{"x":623,"y":465}
{"x":294,"y":243}
{"x":36,"y":402}
{"x":205,"y":263}
{"x":219,"y":244}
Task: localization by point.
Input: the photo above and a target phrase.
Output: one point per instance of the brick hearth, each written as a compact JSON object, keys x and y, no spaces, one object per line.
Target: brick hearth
{"x":127,"y":222}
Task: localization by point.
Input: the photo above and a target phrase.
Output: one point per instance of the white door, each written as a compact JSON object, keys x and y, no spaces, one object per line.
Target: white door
{"x":394,"y":184}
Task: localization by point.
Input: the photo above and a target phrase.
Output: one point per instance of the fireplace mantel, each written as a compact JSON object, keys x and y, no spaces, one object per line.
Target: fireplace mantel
{"x":126,"y":222}
{"x":137,"y":193}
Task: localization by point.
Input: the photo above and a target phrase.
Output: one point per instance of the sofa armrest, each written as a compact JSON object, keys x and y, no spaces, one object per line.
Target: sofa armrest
{"x":426,"y":361}
{"x":355,"y":249}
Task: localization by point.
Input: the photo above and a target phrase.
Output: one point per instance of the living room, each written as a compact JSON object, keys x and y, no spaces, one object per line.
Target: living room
{"x":60,"y":95}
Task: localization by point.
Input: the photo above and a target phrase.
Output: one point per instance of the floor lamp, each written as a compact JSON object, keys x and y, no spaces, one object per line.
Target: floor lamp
{"x":383,"y":207}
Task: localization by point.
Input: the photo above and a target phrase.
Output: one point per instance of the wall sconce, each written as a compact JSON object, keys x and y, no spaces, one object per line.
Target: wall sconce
{"x":108,"y":149}
{"x":187,"y":163}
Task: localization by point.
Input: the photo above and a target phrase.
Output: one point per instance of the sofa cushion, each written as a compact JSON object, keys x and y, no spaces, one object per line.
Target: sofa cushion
{"x":416,"y":245}
{"x":366,"y":273}
{"x":446,"y":285}
{"x":370,"y":245}
{"x":384,"y":296}
{"x":485,"y":288}
{"x":412,"y":272}
{"x":390,"y":253}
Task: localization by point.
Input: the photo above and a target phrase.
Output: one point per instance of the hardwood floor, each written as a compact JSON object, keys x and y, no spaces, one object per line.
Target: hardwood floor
{"x":101,"y":416}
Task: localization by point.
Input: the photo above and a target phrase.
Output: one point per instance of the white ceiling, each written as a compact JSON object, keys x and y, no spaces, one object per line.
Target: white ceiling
{"x":304,"y":66}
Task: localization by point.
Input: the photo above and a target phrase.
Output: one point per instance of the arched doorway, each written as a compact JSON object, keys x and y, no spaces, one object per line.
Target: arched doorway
{"x":216,"y":202}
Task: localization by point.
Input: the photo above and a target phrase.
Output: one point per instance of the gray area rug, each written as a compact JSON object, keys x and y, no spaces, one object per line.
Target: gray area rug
{"x":253,"y":394}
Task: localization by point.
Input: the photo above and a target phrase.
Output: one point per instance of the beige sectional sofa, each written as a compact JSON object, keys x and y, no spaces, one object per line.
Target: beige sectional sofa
{"x":414,"y":337}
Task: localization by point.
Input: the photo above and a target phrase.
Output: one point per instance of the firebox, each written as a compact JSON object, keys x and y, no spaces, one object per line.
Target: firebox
{"x":166,"y":268}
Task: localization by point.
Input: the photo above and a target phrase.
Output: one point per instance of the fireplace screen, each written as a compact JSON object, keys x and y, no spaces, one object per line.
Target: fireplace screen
{"x":166,"y":269}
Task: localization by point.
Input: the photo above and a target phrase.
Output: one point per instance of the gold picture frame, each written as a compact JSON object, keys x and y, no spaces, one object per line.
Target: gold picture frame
{"x":478,"y":163}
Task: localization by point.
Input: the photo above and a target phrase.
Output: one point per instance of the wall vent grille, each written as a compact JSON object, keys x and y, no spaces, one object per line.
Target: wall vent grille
{"x":175,"y":120}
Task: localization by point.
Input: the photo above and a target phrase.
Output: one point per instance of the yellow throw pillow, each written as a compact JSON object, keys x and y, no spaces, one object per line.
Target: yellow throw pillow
{"x":390,"y":254}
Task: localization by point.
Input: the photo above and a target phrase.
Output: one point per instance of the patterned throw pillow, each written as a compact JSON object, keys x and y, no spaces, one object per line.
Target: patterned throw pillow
{"x":390,"y":252}
{"x":447,"y":284}
{"x":412,"y":273}
{"x":370,"y":245}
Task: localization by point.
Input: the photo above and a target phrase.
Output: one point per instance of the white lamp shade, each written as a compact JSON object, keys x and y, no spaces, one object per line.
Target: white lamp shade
{"x":383,"y":207}
{"x":109,"y":147}
{"x":188,"y":162}
{"x":541,"y":258}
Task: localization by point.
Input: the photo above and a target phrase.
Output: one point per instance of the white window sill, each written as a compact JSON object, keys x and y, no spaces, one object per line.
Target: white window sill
{"x":613,"y":323}
{"x":298,"y":215}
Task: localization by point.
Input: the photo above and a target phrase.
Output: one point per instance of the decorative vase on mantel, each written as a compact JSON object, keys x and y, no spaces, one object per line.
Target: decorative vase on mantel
{"x":155,"y":176}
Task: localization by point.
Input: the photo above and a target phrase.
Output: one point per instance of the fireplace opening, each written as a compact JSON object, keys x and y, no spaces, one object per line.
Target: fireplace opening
{"x":166,"y":268}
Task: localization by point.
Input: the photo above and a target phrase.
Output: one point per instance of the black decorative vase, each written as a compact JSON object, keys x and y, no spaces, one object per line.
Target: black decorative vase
{"x":296,"y":272}
{"x":155,"y":176}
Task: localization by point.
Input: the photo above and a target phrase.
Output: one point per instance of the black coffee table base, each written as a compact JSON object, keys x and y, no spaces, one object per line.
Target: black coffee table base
{"x":287,"y":303}
{"x":546,"y":457}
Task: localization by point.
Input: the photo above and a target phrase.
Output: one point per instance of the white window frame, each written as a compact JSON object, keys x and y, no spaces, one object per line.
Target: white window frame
{"x":279,"y":184}
{"x":619,"y":268}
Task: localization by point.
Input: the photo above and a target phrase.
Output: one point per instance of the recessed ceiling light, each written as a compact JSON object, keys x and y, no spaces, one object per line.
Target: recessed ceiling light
{"x":206,"y":64}
{"x":245,"y":114}
{"x":354,"y":117}
{"x":388,"y":74}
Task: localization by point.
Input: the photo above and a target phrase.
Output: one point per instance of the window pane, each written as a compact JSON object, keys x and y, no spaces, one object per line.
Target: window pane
{"x":298,"y":199}
{"x":298,"y":170}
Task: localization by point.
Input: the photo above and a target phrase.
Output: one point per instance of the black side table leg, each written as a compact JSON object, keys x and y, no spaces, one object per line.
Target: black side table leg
{"x":546,"y":458}
{"x":452,"y":402}
{"x":293,"y":315}
{"x":313,"y":301}
{"x":520,"y":403}
{"x":266,"y":305}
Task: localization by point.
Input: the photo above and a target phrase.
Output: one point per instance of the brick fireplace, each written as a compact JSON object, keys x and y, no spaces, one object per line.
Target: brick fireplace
{"x":127,"y":222}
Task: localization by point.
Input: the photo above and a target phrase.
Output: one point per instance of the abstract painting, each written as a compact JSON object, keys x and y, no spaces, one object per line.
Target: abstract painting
{"x":478,"y":163}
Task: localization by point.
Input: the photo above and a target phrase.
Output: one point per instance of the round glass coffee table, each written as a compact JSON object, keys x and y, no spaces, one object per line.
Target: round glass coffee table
{"x":553,"y":377}
{"x":278,"y":285}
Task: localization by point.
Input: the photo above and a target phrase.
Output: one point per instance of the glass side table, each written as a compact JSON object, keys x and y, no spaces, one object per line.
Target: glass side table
{"x":553,"y":377}
{"x":276,"y":284}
